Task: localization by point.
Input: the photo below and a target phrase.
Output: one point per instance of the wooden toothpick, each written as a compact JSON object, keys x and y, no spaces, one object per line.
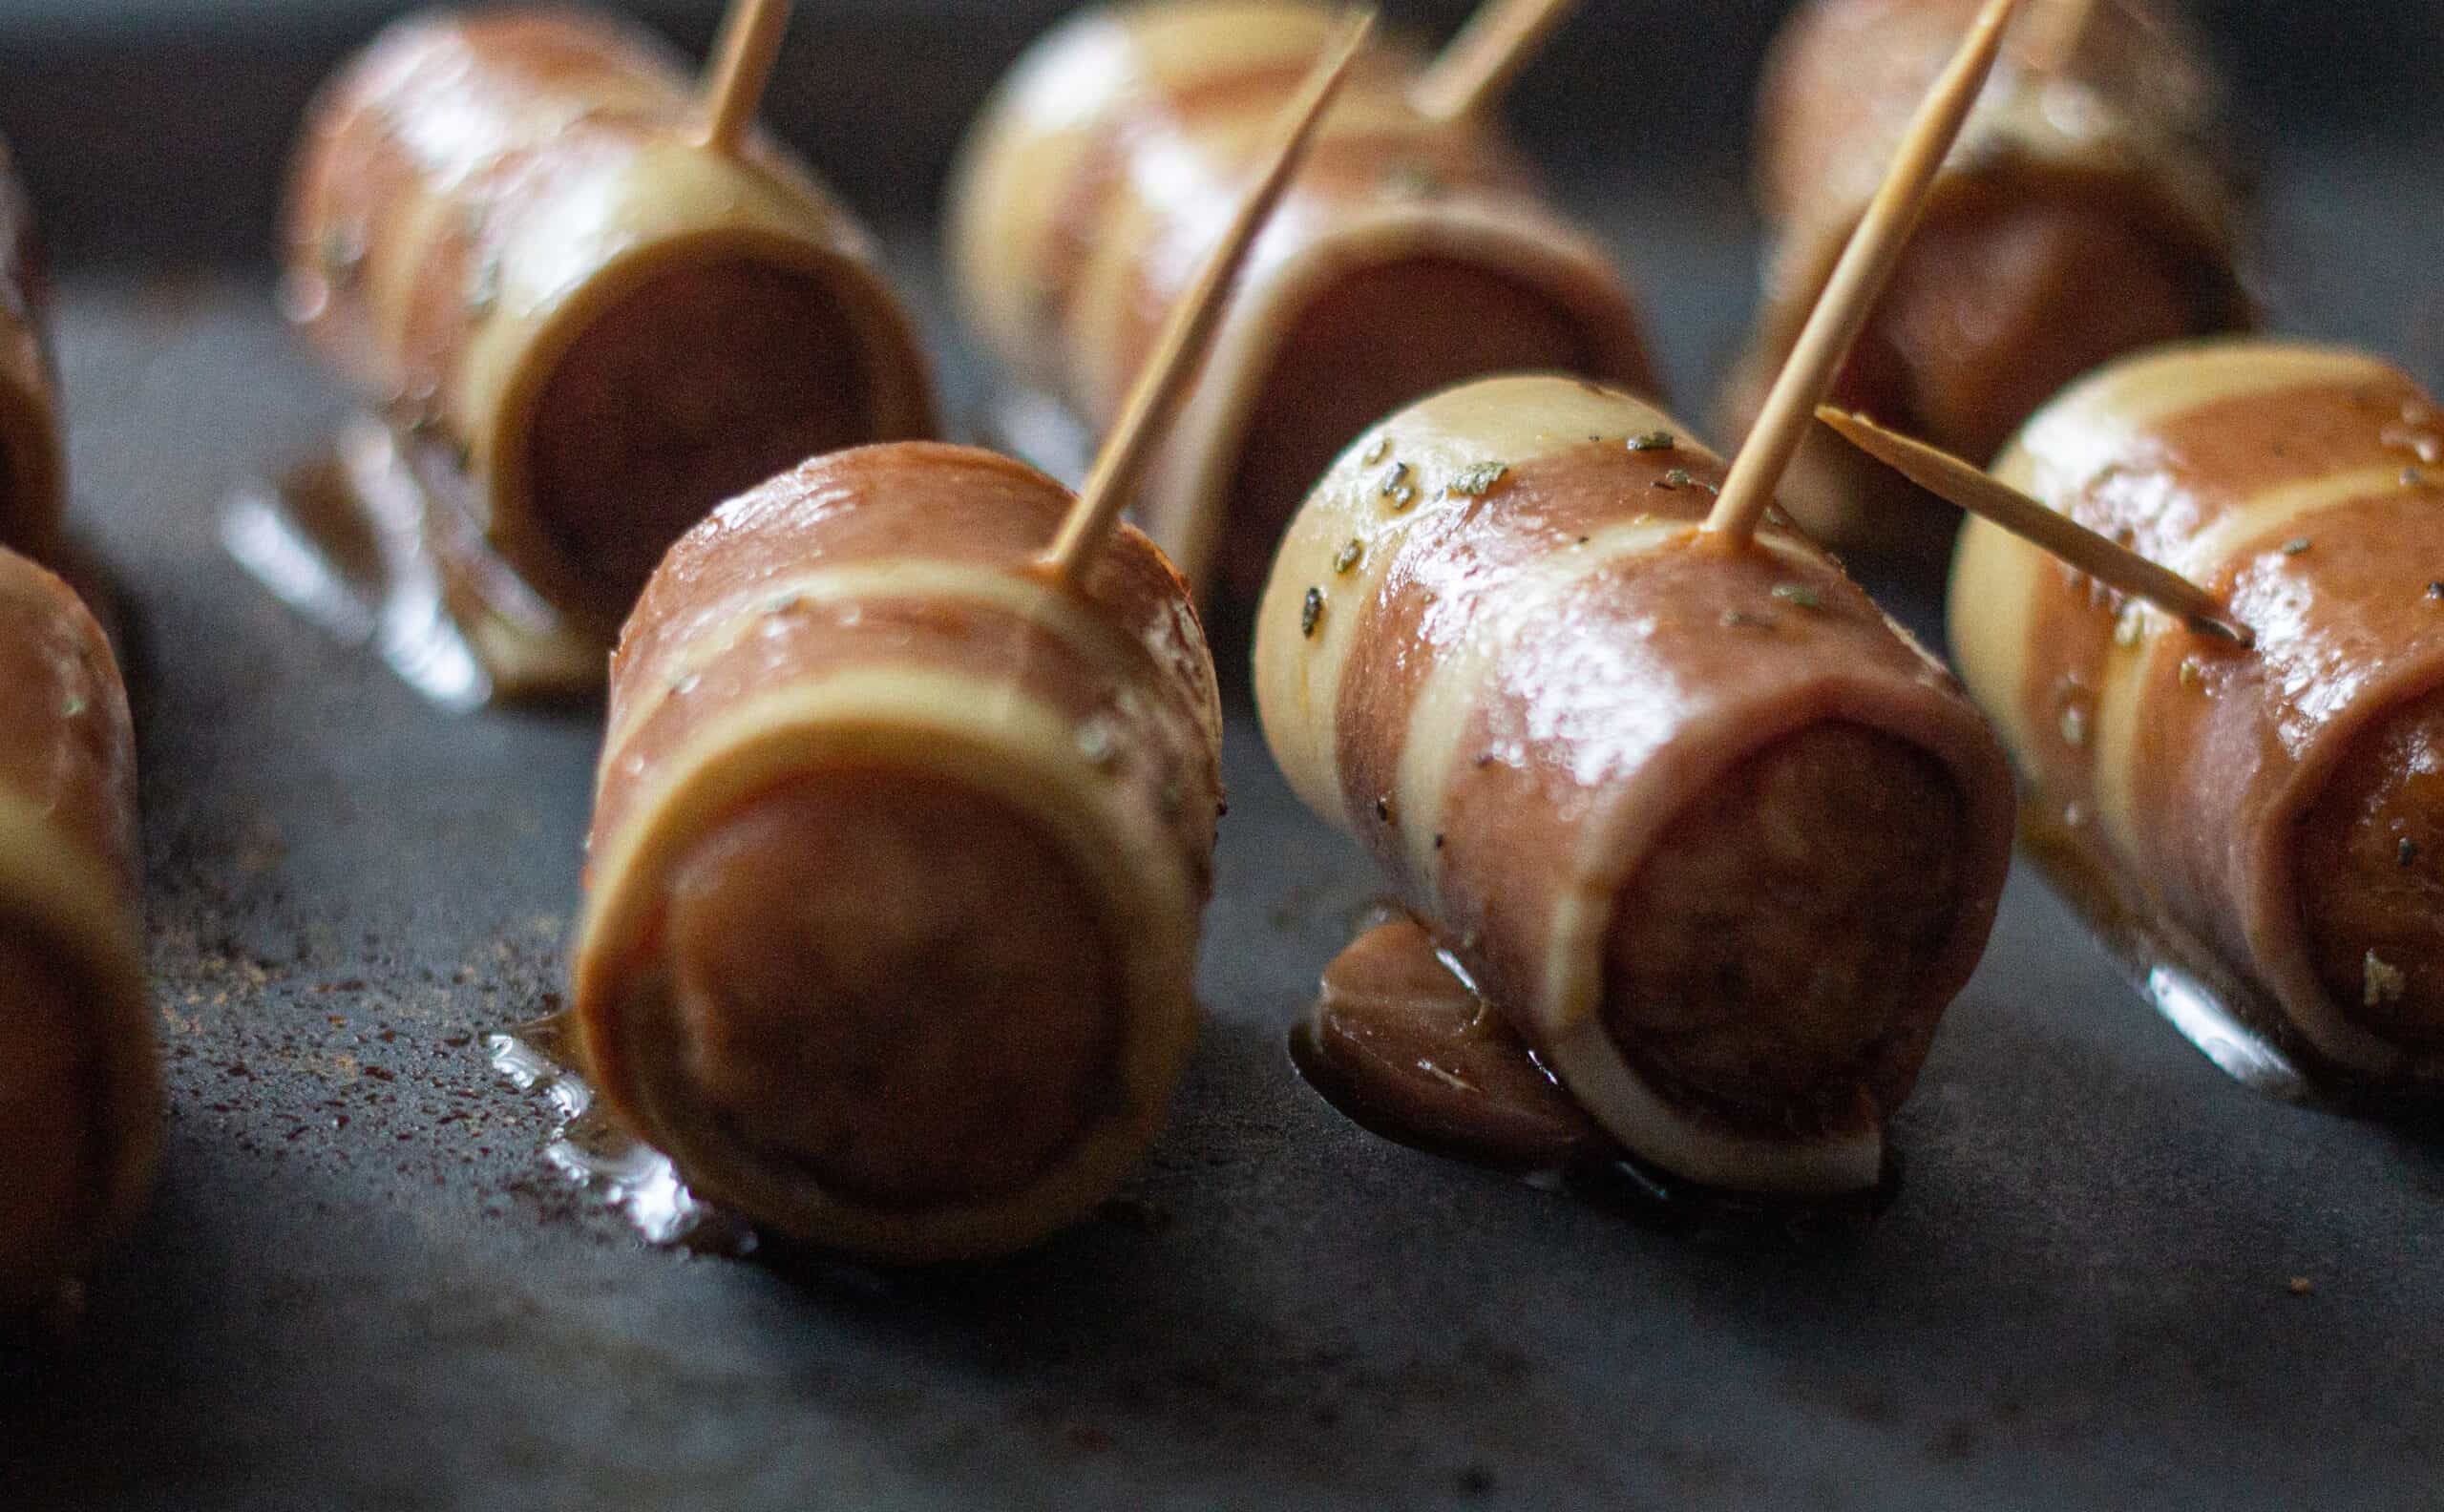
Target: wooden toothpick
{"x":1859,"y":280}
{"x":2099,"y":557}
{"x":742,"y":59}
{"x":1471,"y":73}
{"x":2058,"y":30}
{"x":1181,"y":350}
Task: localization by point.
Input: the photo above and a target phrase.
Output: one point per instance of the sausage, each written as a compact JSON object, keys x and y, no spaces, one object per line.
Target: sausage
{"x":79,"y":1079}
{"x":33,"y":462}
{"x":1719,"y":838}
{"x":2275,"y":812}
{"x":2087,"y":214}
{"x":898,"y":856}
{"x":502,"y":225}
{"x":1409,"y":253}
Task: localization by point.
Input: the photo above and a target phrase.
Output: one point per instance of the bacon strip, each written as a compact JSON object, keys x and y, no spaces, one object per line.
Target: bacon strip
{"x":1408,"y":255}
{"x":2088,"y":214}
{"x":1493,"y":650}
{"x":2269,"y":804}
{"x":866,"y":640}
{"x":499,"y":224}
{"x":33,"y":463}
{"x":79,"y":1081}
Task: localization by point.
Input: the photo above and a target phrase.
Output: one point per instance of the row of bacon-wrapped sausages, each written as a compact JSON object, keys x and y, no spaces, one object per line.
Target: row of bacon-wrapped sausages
{"x":900,"y":845}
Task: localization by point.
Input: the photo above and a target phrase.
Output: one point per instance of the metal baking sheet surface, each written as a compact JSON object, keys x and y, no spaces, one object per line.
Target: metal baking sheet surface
{"x":2112,"y":1278}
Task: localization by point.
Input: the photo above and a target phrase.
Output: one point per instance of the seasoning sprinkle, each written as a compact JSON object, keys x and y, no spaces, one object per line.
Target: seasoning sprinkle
{"x":2295,"y":546}
{"x":1653,"y":441}
{"x":1675,"y":478}
{"x":2130,"y":628}
{"x":1478,"y":479}
{"x":2406,"y":852}
{"x":1374,"y":453}
{"x":2075,"y":726}
{"x":1395,"y":477}
{"x":1348,"y":555}
{"x":1799,"y":594}
{"x":1097,"y":744}
{"x":2436,"y":590}
{"x":1438,"y":841}
{"x":1383,"y":808}
{"x":1743,"y":618}
{"x":72,"y":706}
{"x":2190,"y":675}
{"x":2302,"y":1285}
{"x":1311,"y":609}
{"x":2380,"y":981}
{"x":2413,"y":477}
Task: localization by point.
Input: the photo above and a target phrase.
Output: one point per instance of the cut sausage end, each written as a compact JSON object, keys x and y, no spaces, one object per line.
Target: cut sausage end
{"x":2370,"y":876}
{"x":695,"y":385}
{"x":1767,"y":963}
{"x":896,"y":985}
{"x":1368,"y":344}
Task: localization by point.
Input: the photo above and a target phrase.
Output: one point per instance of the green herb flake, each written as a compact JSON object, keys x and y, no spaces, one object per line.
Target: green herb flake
{"x":1746,"y":620}
{"x":2295,"y":546}
{"x":1374,"y":453}
{"x":72,"y":705}
{"x":2406,"y":852}
{"x":1397,"y":487}
{"x":1311,"y":609}
{"x":1383,"y":808}
{"x":2075,"y":726}
{"x":2191,"y":675}
{"x":1799,"y":594}
{"x":1675,"y":478}
{"x":1654,"y":441}
{"x":1477,"y":479}
{"x":1345,"y":559}
{"x":2436,"y":590}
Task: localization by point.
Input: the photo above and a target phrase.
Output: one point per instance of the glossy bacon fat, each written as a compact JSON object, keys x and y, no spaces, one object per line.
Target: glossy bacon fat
{"x":1718,"y":838}
{"x":502,"y":226}
{"x":1409,"y":253}
{"x":2283,"y":808}
{"x":900,"y":855}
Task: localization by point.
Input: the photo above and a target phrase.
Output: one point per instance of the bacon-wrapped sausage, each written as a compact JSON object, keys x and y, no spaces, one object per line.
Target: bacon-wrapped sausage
{"x":1411,"y":253}
{"x":2087,"y":214}
{"x":79,"y":1088}
{"x":34,"y":465}
{"x":504,"y":224}
{"x":2281,"y":811}
{"x":898,"y":857}
{"x":1716,"y":836}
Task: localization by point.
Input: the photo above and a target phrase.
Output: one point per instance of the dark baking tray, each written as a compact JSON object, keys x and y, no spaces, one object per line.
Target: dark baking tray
{"x":360,"y":1287}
